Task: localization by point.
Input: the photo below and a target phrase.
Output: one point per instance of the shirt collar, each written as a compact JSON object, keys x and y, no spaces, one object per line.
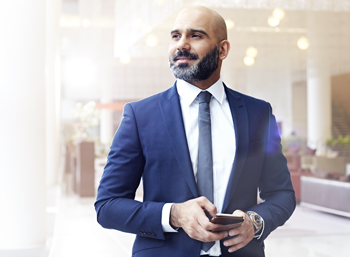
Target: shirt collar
{"x":189,"y":92}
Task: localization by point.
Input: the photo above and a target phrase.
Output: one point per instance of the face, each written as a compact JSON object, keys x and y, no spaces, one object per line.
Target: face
{"x":201,"y":71}
{"x":193,"y":49}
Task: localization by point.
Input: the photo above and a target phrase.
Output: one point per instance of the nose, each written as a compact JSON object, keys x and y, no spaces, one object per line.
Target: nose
{"x":183,"y":44}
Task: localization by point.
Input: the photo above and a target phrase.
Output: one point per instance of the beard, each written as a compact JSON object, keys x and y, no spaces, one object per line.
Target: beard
{"x":202,"y":71}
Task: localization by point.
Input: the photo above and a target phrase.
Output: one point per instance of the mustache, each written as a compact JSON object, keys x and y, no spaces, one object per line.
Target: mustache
{"x":184,"y":54}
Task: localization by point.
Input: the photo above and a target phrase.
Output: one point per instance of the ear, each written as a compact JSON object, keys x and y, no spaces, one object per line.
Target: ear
{"x":224,"y":49}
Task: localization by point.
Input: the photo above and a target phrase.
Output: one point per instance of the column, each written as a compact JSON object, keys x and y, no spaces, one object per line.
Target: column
{"x":318,"y":80}
{"x":22,"y":130}
{"x":53,"y":10}
{"x":106,"y":122}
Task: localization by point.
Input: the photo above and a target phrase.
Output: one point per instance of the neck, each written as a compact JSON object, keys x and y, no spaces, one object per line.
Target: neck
{"x":205,"y":84}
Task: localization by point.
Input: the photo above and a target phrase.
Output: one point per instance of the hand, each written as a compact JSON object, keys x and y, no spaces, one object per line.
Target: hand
{"x":191,"y":218}
{"x":243,"y":234}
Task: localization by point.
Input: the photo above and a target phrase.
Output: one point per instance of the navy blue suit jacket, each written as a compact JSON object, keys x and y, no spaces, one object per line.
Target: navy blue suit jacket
{"x":151,"y":143}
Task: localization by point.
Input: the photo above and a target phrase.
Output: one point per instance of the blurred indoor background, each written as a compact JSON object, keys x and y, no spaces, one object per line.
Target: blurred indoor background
{"x":67,"y":67}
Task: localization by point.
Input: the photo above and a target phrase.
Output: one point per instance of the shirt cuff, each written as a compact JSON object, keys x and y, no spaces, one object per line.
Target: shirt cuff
{"x":258,"y":236}
{"x":166,"y":218}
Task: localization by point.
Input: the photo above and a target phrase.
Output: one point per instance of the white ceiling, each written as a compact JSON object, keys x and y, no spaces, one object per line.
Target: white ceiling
{"x":277,"y":48}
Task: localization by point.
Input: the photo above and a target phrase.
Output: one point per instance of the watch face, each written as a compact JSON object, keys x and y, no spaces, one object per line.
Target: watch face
{"x":257,"y":219}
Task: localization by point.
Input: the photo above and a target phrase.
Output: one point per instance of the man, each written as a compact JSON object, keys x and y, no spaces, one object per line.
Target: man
{"x":200,"y":148}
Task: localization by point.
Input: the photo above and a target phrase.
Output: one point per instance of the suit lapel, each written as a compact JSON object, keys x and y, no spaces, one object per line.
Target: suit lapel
{"x":240,"y":120}
{"x":172,"y":116}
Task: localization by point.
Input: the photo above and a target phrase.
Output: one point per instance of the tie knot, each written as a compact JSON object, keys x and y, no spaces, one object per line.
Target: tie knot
{"x":204,"y":97}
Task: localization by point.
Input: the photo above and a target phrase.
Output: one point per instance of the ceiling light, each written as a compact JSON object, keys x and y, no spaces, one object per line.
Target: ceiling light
{"x":303,"y":43}
{"x":251,"y":52}
{"x":229,"y":24}
{"x":151,"y":40}
{"x":248,"y":61}
{"x":125,"y":59}
{"x":273,"y":21}
{"x":278,"y":14}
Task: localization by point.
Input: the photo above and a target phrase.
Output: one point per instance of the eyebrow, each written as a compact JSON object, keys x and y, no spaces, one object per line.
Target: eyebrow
{"x":191,"y":30}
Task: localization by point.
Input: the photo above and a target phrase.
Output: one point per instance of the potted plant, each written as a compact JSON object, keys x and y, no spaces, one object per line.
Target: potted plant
{"x":80,"y":148}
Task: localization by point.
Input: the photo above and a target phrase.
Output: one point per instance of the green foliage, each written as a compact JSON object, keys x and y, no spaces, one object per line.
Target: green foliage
{"x":294,"y":145}
{"x":78,"y":130}
{"x":340,"y":143}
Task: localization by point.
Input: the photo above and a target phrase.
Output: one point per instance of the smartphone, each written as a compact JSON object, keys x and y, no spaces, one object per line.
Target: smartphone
{"x":228,"y":221}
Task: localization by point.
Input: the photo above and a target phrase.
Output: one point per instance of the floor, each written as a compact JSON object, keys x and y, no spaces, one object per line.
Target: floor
{"x":77,"y":232}
{"x":307,"y":233}
{"x":310,"y":233}
{"x":73,"y":231}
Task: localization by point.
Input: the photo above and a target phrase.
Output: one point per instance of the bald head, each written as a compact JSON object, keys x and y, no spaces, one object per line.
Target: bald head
{"x":214,"y":20}
{"x":198,"y":46}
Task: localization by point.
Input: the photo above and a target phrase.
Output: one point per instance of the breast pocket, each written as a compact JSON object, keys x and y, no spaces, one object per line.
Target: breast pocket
{"x":255,"y":157}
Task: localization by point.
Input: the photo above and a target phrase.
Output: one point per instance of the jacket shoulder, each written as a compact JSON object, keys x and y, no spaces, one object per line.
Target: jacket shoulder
{"x":249,"y":100}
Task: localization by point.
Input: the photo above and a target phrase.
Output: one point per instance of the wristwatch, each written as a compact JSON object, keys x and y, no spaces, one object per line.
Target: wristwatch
{"x":257,"y":221}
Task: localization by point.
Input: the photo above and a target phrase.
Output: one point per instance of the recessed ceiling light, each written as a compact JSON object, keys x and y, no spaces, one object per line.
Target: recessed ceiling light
{"x":151,"y":40}
{"x":278,"y":13}
{"x":248,"y":61}
{"x":303,"y":43}
{"x":273,"y":21}
{"x":251,"y":52}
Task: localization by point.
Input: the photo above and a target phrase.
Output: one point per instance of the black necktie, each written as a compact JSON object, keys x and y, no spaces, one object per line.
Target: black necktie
{"x":205,"y":158}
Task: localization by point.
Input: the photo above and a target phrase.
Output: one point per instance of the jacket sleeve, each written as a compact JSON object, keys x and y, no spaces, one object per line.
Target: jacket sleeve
{"x":275,"y":185}
{"x":115,"y":205}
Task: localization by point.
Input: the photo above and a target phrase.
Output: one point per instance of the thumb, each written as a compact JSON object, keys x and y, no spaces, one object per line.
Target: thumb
{"x":208,"y":206}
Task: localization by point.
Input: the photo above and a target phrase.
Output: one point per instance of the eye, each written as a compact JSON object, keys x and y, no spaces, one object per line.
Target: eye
{"x":175,"y":36}
{"x":196,"y":35}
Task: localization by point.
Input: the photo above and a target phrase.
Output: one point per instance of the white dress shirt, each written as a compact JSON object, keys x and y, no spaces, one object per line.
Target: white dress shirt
{"x":223,"y":143}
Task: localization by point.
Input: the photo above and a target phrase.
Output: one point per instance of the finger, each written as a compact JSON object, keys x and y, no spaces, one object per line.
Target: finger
{"x":246,"y":225}
{"x":209,"y":226}
{"x":205,"y":223}
{"x":242,"y":214}
{"x":236,"y":247}
{"x":236,"y":231}
{"x":208,"y":236}
{"x":239,"y":213}
{"x":196,"y":231}
{"x":208,"y":206}
{"x":214,"y":236}
{"x":234,"y":241}
{"x":245,"y":229}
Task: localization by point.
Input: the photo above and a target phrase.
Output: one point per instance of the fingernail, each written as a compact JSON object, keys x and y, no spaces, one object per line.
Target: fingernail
{"x":231,"y":233}
{"x":230,"y":250}
{"x":226,"y":244}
